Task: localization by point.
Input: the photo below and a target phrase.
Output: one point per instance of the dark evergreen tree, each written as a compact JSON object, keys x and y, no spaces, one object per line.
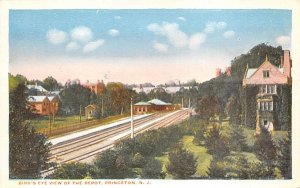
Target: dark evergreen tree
{"x":216,"y":143}
{"x":252,"y":170}
{"x":265,"y":148}
{"x":237,"y":139}
{"x":182,"y":163}
{"x":28,"y":151}
{"x":285,"y":157}
{"x":216,"y":169}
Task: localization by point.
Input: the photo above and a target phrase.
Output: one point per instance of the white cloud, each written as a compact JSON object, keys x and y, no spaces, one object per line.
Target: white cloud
{"x":160,"y":47}
{"x":56,"y":36}
{"x":181,"y":18}
{"x":196,"y":40}
{"x":171,"y":31}
{"x":117,"y":17}
{"x":229,"y":34}
{"x":284,"y":41}
{"x":72,"y":46}
{"x":92,"y":46}
{"x":114,"y":32}
{"x":82,"y":34}
{"x":212,"y":26}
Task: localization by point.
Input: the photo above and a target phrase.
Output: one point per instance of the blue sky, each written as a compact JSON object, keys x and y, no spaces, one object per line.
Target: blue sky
{"x":175,"y":44}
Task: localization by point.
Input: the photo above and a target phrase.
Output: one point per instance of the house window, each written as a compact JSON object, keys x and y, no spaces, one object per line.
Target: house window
{"x":266,"y":74}
{"x":266,"y":106}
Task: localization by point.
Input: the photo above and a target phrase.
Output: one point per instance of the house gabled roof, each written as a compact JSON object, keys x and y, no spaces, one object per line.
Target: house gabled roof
{"x":36,"y":98}
{"x":152,"y":102}
{"x":37,"y":87}
{"x":254,"y":76}
{"x":142,"y":103}
{"x":157,"y":102}
{"x":51,"y":98}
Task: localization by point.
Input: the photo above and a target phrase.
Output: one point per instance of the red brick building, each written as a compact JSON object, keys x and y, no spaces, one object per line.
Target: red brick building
{"x":43,"y":105}
{"x":97,"y":88}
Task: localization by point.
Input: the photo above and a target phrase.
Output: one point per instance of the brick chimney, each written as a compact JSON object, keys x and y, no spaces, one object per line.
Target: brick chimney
{"x":287,"y":63}
{"x":228,"y":71}
{"x":218,"y":72}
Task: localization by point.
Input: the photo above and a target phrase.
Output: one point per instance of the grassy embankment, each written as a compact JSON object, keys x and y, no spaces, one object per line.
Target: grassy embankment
{"x":204,"y":159}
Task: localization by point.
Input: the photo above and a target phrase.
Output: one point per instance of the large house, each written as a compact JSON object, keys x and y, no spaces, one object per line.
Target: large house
{"x":97,"y":88}
{"x":152,"y":106}
{"x":43,"y":105}
{"x":269,"y":106}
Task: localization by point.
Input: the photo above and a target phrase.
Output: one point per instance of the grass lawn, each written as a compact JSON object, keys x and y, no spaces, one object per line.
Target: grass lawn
{"x":42,"y":123}
{"x":203,"y":158}
{"x":250,"y":136}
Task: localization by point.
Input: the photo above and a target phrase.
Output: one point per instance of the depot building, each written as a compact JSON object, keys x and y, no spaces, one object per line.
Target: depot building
{"x":152,"y":106}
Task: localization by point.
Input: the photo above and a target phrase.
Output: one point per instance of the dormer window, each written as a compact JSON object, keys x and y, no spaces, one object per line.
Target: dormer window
{"x":266,"y":74}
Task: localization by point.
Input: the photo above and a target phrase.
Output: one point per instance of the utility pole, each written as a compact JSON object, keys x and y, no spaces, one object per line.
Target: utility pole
{"x":49,"y":111}
{"x":80,"y":114}
{"x":132,"y":131}
{"x":189,"y":102}
{"x":53,"y":117}
{"x":102,"y":107}
{"x":182,"y":103}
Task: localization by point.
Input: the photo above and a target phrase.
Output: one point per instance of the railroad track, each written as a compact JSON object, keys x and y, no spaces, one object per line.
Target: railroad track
{"x":94,"y":138}
{"x":82,"y":144}
{"x":85,"y":147}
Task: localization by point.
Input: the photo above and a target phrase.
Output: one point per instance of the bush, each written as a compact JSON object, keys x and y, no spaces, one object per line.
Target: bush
{"x":152,"y":169}
{"x":182,"y":163}
{"x":71,"y":171}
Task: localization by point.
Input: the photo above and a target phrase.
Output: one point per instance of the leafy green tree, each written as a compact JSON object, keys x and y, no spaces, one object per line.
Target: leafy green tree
{"x":208,"y":106}
{"x":50,"y":83}
{"x":160,"y":93}
{"x":265,"y":148}
{"x":152,"y":169}
{"x":28,"y":150}
{"x":182,"y":163}
{"x":118,"y":98}
{"x":255,"y":57}
{"x":216,"y":143}
{"x":14,"y":81}
{"x":74,"y":170}
{"x":74,"y":96}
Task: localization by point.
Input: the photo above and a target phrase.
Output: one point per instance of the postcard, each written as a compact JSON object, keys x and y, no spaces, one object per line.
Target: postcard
{"x":108,"y":94}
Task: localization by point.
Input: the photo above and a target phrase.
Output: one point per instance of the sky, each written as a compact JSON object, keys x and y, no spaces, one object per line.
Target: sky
{"x":138,"y":45}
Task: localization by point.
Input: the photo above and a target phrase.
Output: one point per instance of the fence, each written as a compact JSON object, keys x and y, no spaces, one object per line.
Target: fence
{"x":63,"y":129}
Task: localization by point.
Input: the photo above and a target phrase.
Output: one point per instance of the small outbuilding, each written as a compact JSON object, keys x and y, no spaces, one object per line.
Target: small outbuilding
{"x":90,"y":111}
